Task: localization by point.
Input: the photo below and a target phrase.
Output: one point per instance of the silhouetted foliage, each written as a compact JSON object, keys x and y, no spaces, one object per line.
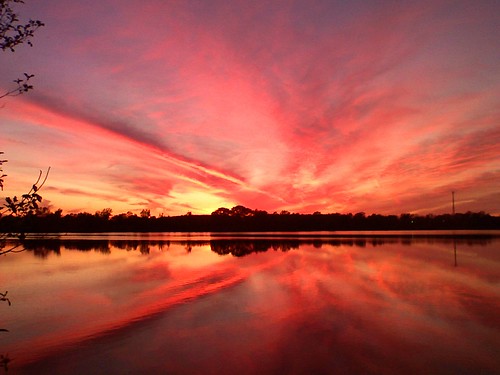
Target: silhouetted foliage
{"x":3,"y":297}
{"x":23,"y":85}
{"x":105,"y":214}
{"x":2,"y":175}
{"x":242,"y":219}
{"x":17,"y":213}
{"x":14,"y":32}
{"x":3,"y":359}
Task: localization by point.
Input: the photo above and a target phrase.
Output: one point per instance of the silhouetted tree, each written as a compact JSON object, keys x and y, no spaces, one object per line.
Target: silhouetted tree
{"x":44,"y":221}
{"x":222,"y":211}
{"x":105,"y":214}
{"x":146,"y":213}
{"x":241,"y":211}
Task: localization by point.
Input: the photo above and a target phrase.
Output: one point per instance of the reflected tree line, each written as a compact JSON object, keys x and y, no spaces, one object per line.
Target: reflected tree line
{"x":238,"y":219}
{"x":43,"y":247}
{"x":235,"y":247}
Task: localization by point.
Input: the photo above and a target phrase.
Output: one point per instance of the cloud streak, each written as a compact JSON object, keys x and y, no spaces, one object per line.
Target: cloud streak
{"x":304,"y":106}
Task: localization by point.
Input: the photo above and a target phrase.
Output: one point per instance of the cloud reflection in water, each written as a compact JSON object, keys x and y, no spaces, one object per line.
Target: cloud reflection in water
{"x":365,"y":305}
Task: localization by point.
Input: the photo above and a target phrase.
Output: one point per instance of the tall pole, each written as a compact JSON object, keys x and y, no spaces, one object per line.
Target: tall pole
{"x":453,"y":202}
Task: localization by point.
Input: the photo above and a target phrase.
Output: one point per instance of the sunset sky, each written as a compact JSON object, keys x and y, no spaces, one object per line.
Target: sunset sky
{"x":331,"y":106}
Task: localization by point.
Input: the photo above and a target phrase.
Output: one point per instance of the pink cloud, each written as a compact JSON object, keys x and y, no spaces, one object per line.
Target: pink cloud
{"x":317,"y":107}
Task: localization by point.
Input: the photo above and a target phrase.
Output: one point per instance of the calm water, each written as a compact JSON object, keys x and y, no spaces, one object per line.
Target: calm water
{"x":248,"y":304}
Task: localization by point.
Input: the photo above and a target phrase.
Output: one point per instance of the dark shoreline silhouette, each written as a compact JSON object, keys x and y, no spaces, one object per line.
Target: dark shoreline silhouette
{"x":242,"y":219}
{"x":241,"y":246}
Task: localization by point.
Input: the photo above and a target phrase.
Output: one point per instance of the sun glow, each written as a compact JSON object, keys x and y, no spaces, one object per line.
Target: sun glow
{"x":354,"y":108}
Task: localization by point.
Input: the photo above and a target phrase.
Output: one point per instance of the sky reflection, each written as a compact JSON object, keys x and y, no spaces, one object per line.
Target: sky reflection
{"x":386,"y":308}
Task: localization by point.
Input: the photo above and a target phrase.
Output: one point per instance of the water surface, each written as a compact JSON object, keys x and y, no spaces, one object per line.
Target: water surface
{"x":253,"y":303}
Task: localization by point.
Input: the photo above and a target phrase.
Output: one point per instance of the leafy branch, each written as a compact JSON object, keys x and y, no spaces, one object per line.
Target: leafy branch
{"x":25,"y":206}
{"x":22,"y":86}
{"x":2,"y":175}
{"x":3,"y":297}
{"x":28,"y":204}
{"x":12,"y":31}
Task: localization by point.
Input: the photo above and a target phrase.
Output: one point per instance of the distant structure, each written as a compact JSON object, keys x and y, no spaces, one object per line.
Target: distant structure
{"x":453,"y":202}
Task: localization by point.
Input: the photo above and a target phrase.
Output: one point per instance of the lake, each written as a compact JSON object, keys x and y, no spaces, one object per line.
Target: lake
{"x":253,"y":303}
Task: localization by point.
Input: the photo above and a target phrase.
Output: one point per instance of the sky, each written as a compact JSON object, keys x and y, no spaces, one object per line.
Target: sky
{"x":187,"y":106}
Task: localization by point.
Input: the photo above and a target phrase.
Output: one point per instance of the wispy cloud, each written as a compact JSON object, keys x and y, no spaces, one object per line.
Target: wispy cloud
{"x":304,"y":106}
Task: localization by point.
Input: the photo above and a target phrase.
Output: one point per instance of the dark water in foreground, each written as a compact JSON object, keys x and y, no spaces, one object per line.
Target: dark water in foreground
{"x":194,"y":304}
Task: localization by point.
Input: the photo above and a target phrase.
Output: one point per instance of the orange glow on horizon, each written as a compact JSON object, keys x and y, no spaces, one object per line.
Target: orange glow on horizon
{"x":326,"y":107}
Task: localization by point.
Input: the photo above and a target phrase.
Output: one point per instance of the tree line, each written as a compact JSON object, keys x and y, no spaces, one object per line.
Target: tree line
{"x":23,"y":214}
{"x":238,"y":219}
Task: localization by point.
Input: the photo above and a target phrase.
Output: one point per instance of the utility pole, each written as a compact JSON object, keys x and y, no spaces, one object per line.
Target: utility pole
{"x":453,"y":202}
